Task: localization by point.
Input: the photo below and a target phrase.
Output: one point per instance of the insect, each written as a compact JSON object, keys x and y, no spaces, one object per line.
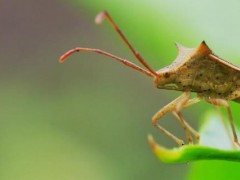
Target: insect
{"x":196,"y":70}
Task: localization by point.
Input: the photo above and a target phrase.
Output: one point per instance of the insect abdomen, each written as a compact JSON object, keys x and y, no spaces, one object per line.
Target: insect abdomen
{"x":209,"y":78}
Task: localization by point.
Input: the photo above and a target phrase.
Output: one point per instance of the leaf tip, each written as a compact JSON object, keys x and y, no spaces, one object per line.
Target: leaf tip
{"x":152,"y":142}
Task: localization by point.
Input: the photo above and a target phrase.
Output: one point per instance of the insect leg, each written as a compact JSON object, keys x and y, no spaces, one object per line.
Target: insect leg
{"x":171,"y":107}
{"x":224,"y":103}
{"x":225,"y":126}
{"x":181,"y":119}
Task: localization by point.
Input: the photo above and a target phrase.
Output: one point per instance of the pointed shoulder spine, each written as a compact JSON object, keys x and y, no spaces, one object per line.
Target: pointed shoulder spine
{"x":203,"y":49}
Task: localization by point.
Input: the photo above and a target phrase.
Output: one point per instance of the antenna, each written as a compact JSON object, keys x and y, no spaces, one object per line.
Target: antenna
{"x":99,"y":19}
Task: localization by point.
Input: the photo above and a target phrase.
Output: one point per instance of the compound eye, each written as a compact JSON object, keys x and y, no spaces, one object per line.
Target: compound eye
{"x":166,"y":75}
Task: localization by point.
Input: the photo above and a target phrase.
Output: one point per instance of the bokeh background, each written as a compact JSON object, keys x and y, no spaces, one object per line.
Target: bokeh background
{"x":89,"y":117}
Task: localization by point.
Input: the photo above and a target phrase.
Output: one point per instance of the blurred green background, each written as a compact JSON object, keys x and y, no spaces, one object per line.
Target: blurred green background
{"x":89,"y":117}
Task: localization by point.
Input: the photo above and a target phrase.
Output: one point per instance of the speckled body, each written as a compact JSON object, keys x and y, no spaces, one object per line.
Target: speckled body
{"x":199,"y":70}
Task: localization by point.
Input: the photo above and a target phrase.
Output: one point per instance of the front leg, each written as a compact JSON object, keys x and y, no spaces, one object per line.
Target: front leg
{"x":176,"y":106}
{"x":177,"y":113}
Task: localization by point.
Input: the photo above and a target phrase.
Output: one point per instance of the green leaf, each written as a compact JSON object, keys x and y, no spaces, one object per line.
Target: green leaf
{"x":215,"y":144}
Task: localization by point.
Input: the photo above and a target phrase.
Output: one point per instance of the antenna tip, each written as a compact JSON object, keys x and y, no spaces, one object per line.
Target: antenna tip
{"x":100,"y":17}
{"x":65,"y":56}
{"x":61,"y":59}
{"x":69,"y":53}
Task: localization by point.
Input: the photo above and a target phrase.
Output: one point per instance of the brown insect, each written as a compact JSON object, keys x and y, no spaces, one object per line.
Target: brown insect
{"x":196,"y":70}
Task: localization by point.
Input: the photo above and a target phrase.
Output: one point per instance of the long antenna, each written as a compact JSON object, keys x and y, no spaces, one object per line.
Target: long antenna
{"x":99,"y":19}
{"x":124,"y":61}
